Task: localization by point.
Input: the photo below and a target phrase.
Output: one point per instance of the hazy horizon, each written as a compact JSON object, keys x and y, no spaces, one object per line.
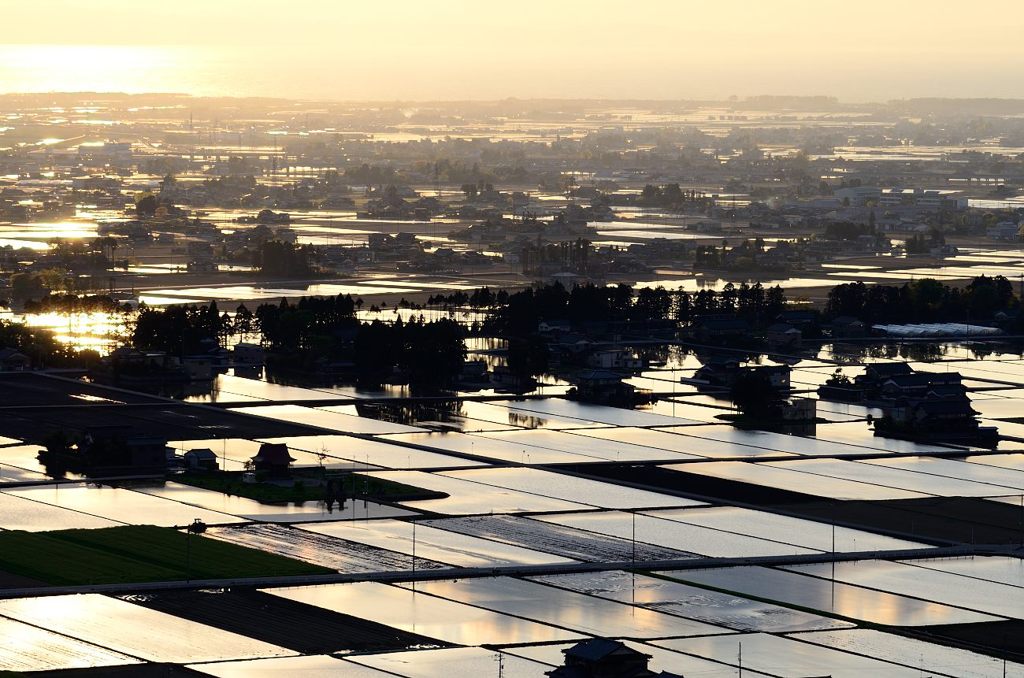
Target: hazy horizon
{"x":450,"y":51}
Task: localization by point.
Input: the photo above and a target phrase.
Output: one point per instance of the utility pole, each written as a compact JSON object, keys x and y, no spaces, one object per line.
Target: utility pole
{"x":833,"y":566}
{"x":633,"y":514}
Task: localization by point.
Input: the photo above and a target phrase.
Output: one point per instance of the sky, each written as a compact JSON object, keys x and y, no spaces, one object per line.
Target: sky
{"x":868,"y":50}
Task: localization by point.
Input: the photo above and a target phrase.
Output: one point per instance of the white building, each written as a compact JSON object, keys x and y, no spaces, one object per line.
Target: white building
{"x":1004,"y":230}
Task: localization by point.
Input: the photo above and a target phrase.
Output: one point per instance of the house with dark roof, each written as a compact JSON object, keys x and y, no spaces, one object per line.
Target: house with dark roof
{"x":878,"y":372}
{"x":605,"y":387}
{"x":273,"y":458}
{"x":604,"y":658}
{"x":719,"y":328}
{"x":782,"y":335}
{"x":725,"y":373}
{"x":919,"y":384}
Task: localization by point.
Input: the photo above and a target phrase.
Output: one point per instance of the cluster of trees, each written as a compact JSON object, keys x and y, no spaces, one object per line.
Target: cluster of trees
{"x":922,"y":244}
{"x":482,"y":297}
{"x":427,"y":354}
{"x":83,"y":255}
{"x":755,"y":303}
{"x":708,"y":256}
{"x":371,"y":174}
{"x":27,"y":285}
{"x":516,"y":316}
{"x":315,"y":324}
{"x":670,"y":195}
{"x":448,"y":171}
{"x":502,"y":167}
{"x":473,"y":191}
{"x":42,"y":348}
{"x":924,"y":300}
{"x":312,"y":331}
{"x":308,"y":324}
{"x":746,"y":256}
{"x":524,"y":310}
{"x":180,"y":329}
{"x":146,"y":205}
{"x":756,"y":398}
{"x":847,"y":230}
{"x":285,"y":260}
{"x":72,"y":303}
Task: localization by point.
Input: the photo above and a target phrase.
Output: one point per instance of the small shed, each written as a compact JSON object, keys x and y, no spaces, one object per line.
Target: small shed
{"x":12,"y":360}
{"x":783,"y":334}
{"x":201,"y":459}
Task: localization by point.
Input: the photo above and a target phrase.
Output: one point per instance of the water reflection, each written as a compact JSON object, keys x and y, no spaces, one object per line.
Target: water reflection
{"x":839,"y":598}
{"x":425,"y":614}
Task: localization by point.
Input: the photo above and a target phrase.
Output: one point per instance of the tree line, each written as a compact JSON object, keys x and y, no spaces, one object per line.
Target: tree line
{"x":306,"y":334}
{"x":925,"y":300}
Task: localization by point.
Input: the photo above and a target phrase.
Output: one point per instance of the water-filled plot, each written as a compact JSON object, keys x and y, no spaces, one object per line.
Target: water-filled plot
{"x":317,"y":666}
{"x":1001,"y":569}
{"x":690,"y":446}
{"x":885,"y":476}
{"x":449,"y":662}
{"x":363,"y":453}
{"x":250,"y":509}
{"x":121,"y":505}
{"x":585,"y":446}
{"x":320,"y":549}
{"x":572,"y":488}
{"x":231,"y":388}
{"x":490,"y":448}
{"x":674,"y":535}
{"x":1002,"y":480}
{"x":781,"y":477}
{"x":134,"y":630}
{"x":672,"y":597}
{"x":27,"y":648}
{"x":588,"y":413}
{"x":326,"y":418}
{"x":927,"y":657}
{"x":566,"y":609}
{"x":21,"y":513}
{"x":661,"y":659}
{"x":785,"y":657}
{"x":560,"y":540}
{"x":467,"y":498}
{"x":833,"y":597}
{"x":433,"y":544}
{"x":786,"y":529}
{"x":424,"y":614}
{"x":935,"y":585}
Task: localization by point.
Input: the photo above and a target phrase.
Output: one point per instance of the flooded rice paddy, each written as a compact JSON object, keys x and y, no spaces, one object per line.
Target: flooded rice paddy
{"x":521,"y":486}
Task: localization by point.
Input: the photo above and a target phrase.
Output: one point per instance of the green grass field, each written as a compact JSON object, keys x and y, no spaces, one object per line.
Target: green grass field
{"x":135,"y":554}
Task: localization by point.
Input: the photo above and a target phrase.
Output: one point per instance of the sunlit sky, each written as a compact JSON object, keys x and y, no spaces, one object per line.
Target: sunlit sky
{"x":456,"y":49}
